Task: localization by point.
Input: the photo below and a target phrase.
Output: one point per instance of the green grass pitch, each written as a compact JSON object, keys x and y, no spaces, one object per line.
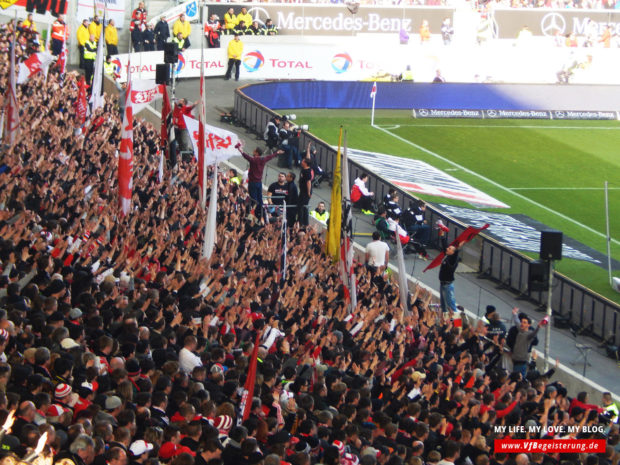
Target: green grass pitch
{"x":553,"y":171}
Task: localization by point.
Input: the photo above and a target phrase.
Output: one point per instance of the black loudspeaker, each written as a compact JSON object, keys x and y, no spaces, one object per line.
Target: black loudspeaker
{"x":537,"y":278}
{"x":162,"y":74}
{"x":171,"y":52}
{"x":551,"y":245}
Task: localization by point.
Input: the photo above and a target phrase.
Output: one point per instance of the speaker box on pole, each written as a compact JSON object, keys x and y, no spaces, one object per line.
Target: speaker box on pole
{"x":171,"y":52}
{"x":162,"y":73}
{"x":551,"y":245}
{"x":537,"y":278}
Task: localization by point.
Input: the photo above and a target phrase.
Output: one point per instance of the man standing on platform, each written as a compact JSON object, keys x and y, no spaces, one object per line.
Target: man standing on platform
{"x":447,"y":270}
{"x":235,"y":50}
{"x":255,"y":176}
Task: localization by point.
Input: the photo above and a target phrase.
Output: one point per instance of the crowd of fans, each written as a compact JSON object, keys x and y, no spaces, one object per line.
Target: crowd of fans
{"x":122,"y":344}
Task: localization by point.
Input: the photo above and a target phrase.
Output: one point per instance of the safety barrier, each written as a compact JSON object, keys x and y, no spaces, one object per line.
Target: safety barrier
{"x":595,"y":314}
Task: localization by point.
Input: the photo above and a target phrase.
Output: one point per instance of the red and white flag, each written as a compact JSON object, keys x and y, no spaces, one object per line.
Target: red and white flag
{"x":464,"y":237}
{"x":62,"y":62}
{"x":81,"y":104}
{"x":250,"y":381}
{"x":11,"y":119}
{"x":219,"y":144}
{"x":144,"y":92}
{"x":373,"y":91}
{"x":202,"y":181}
{"x":125,"y":159}
{"x":35,"y":63}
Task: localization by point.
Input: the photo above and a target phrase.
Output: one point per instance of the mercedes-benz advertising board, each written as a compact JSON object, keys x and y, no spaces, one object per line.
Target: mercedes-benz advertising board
{"x":340,"y":19}
{"x":547,"y":22}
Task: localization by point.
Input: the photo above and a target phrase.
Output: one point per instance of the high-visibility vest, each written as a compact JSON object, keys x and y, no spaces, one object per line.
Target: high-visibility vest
{"x":59,"y":31}
{"x":109,"y":68}
{"x":90,"y":50}
{"x":179,"y":42}
{"x":323,"y":217}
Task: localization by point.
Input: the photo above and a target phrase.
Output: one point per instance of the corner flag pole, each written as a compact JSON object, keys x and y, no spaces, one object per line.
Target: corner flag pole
{"x":373,"y":96}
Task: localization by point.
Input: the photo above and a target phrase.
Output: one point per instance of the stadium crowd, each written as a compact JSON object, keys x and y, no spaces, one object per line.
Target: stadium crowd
{"x":122,"y":345}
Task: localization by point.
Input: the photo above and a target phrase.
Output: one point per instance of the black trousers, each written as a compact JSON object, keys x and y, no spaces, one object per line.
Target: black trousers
{"x":112,"y":49}
{"x":89,"y":69}
{"x":365,"y":203}
{"x":236,"y":63}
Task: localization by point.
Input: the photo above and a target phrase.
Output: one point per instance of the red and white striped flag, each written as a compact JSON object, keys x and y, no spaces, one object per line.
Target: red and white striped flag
{"x":35,"y":63}
{"x":11,"y":119}
{"x":373,"y":91}
{"x":125,"y":159}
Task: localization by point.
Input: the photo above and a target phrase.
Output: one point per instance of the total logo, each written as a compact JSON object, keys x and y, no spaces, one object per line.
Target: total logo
{"x":253,"y":61}
{"x":341,"y":62}
{"x":180,"y":65}
{"x":117,"y":65}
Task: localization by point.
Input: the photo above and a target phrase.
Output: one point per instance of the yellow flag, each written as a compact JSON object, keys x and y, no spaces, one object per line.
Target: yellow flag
{"x":335,"y":213}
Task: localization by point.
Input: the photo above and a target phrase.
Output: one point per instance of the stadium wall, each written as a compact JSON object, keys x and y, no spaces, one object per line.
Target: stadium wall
{"x":446,"y":96}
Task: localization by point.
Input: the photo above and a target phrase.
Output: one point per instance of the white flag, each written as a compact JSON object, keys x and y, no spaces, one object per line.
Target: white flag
{"x":211,"y":223}
{"x":373,"y":91}
{"x":144,"y":92}
{"x":220,"y":144}
{"x":36,"y":63}
{"x":96,"y":97}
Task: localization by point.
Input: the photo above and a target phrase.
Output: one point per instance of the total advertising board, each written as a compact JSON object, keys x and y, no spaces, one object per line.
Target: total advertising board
{"x":548,"y":22}
{"x":339,"y":19}
{"x":357,"y":60}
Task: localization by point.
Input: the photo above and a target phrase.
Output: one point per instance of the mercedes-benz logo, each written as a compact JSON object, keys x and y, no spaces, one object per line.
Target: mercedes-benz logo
{"x":560,"y":114}
{"x":259,"y":14}
{"x":491,"y":113}
{"x":552,"y":24}
{"x":423,"y":112}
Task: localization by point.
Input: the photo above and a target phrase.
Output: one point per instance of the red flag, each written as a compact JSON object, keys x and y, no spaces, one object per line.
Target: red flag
{"x":81,"y":104}
{"x":12,"y":111}
{"x":464,"y":237}
{"x":248,"y":389}
{"x":125,"y":159}
{"x":35,"y":63}
{"x":373,"y":91}
{"x":62,"y":61}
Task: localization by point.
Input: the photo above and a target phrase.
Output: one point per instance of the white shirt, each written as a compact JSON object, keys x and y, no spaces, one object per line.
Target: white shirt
{"x":362,"y":186}
{"x":376,"y":251}
{"x":188,"y":360}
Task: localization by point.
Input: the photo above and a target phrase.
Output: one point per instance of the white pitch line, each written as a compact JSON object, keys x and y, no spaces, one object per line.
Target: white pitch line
{"x":562,"y":188}
{"x":481,"y":126}
{"x":499,"y":186}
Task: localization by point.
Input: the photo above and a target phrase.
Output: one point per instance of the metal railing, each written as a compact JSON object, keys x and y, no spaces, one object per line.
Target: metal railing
{"x":594,"y":313}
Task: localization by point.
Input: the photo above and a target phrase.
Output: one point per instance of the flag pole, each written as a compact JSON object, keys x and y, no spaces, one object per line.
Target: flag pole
{"x":373,"y":95}
{"x":372,"y":114}
{"x":203,"y":104}
{"x":611,"y":282}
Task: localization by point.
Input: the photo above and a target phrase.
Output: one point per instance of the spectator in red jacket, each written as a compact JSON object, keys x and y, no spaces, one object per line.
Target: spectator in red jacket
{"x":181,"y":109}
